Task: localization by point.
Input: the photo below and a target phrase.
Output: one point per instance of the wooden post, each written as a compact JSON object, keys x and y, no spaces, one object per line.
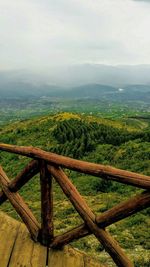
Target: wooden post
{"x":46,"y":233}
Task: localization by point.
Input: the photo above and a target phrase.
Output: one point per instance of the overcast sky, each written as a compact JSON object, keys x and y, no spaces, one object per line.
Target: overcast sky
{"x":38,"y":34}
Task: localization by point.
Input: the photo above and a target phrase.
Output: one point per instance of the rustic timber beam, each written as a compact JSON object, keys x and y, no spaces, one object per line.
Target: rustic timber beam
{"x":21,"y":179}
{"x":47,"y":228}
{"x":72,"y":193}
{"x":20,"y":206}
{"x":115,"y":214}
{"x":111,"y":246}
{"x":99,"y":170}
{"x":27,"y":173}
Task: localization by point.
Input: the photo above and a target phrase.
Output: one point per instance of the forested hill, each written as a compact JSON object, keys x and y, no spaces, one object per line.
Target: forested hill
{"x":81,"y":136}
{"x":124,"y":144}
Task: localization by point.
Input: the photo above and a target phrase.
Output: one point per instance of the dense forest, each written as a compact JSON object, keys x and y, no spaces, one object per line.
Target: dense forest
{"x":76,"y":137}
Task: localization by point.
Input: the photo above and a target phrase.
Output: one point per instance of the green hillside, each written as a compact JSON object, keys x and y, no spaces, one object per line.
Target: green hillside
{"x":122,"y":144}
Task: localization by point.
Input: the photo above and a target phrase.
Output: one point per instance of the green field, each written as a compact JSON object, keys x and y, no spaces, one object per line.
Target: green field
{"x":16,"y":109}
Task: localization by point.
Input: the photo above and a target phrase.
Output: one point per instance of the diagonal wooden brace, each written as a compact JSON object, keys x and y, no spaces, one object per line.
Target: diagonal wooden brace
{"x":115,"y":214}
{"x":22,"y":178}
{"x":20,"y":206}
{"x":111,"y":246}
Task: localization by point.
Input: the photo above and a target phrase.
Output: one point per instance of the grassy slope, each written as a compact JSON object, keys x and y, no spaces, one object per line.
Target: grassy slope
{"x":131,"y":155}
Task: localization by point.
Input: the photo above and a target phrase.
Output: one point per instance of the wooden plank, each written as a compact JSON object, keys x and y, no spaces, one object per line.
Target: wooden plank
{"x":55,"y":258}
{"x":99,"y":170}
{"x":67,"y":257}
{"x":89,"y":262}
{"x":70,"y":257}
{"x":39,"y":256}
{"x":22,"y":178}
{"x":119,"y":212}
{"x":47,"y":228}
{"x":22,"y":209}
{"x":23,"y":249}
{"x":111,"y":246}
{"x":26,"y":252}
{"x":8,"y":233}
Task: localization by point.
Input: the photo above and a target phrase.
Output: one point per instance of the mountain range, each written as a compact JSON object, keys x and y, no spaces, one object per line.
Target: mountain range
{"x":84,"y":81}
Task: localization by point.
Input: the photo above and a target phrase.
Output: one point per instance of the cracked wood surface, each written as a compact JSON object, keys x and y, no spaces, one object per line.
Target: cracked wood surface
{"x":17,"y":249}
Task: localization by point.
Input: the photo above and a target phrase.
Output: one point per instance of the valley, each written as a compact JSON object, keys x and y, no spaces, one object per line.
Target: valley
{"x":17,"y":108}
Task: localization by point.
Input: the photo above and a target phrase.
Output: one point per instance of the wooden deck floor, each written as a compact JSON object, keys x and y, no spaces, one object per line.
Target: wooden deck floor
{"x":18,"y":250}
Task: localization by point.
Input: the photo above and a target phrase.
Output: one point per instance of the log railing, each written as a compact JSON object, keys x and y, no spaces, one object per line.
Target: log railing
{"x":49,"y":165}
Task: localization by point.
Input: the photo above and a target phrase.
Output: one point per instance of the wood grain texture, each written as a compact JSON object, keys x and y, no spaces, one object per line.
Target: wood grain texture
{"x":18,"y":250}
{"x":99,"y":170}
{"x":27,"y":253}
{"x":22,"y":251}
{"x":8,"y":233}
{"x":39,"y":256}
{"x":70,"y":257}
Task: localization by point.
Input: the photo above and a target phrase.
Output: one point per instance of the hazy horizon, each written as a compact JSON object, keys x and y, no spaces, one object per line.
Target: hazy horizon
{"x":79,"y":74}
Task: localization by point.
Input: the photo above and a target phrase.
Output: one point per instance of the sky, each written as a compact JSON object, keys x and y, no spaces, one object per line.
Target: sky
{"x":42,"y":34}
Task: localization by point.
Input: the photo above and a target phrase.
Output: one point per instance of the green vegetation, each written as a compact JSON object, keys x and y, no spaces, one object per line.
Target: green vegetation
{"x":78,"y":137}
{"x":119,"y":143}
{"x":19,"y":108}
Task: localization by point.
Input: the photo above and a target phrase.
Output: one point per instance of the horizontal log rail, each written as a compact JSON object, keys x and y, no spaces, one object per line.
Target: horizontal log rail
{"x":98,"y":170}
{"x":49,"y":165}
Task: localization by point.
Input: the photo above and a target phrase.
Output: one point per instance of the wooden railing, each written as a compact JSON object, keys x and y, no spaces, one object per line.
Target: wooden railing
{"x":50,"y":166}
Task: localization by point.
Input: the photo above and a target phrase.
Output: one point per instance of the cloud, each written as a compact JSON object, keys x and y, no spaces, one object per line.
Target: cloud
{"x":41,"y":34}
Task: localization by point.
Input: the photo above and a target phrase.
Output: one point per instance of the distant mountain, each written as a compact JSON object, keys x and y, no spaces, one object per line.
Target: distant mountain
{"x":117,"y":76}
{"x":112,"y":83}
{"x":23,"y":89}
{"x":92,"y":91}
{"x":81,"y":74}
{"x":24,"y":84}
{"x":137,"y":88}
{"x":128,"y":93}
{"x":136,"y":93}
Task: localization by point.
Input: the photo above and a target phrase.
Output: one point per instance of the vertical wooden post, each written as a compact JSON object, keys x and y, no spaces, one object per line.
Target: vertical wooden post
{"x":46,"y":233}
